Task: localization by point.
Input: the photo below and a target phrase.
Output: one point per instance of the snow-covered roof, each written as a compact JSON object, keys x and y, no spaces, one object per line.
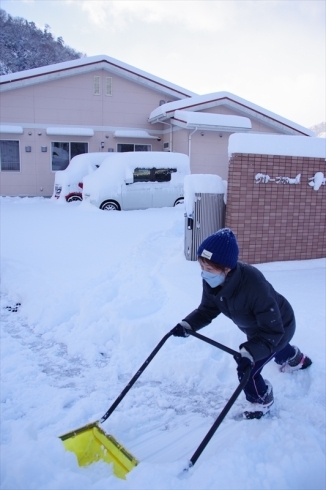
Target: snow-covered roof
{"x":11,"y":129}
{"x":133,"y":133}
{"x":212,"y":122}
{"x":275,"y":144}
{"x":208,"y":101}
{"x":69,"y":131}
{"x":87,"y":64}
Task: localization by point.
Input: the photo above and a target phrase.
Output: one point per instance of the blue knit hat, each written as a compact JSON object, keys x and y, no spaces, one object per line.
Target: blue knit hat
{"x":221,"y":248}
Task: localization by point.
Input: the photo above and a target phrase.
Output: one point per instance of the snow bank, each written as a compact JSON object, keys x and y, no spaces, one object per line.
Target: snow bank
{"x":272,"y":144}
{"x":98,"y":291}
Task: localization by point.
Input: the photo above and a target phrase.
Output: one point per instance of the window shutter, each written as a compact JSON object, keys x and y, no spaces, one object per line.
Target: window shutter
{"x":96,"y":85}
{"x":108,"y":86}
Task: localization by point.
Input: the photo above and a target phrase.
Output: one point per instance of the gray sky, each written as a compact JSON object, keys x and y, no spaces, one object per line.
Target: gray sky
{"x":271,"y":53}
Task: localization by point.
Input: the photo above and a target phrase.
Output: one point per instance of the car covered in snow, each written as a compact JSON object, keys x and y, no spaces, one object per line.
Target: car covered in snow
{"x":68,"y":183}
{"x":137,"y":180}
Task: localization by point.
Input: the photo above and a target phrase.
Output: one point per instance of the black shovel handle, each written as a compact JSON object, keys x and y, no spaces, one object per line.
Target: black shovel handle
{"x":229,"y":404}
{"x":150,"y":358}
{"x":234,"y":353}
{"x":220,"y":418}
{"x":225,"y":410}
{"x":136,"y":376}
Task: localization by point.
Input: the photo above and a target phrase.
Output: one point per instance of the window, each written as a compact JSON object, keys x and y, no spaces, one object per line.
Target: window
{"x":9,"y":156}
{"x":108,"y":90}
{"x":142,"y":175}
{"x":63,"y":152}
{"x":96,"y":85}
{"x":153,"y":174}
{"x":124,"y":147}
{"x":163,"y":174}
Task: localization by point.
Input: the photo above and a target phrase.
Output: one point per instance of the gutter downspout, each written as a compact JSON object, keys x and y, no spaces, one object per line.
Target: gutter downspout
{"x":171,"y":142}
{"x":189,"y":144}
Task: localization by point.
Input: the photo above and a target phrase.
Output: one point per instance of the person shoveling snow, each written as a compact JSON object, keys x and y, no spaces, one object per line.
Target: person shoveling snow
{"x":243,"y":294}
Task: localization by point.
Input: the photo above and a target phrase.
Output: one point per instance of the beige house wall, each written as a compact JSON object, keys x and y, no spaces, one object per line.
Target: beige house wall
{"x":70,"y":102}
{"x":209,"y":149}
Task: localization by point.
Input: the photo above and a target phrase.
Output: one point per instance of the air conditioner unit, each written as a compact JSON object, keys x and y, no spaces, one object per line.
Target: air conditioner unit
{"x":166,"y":146}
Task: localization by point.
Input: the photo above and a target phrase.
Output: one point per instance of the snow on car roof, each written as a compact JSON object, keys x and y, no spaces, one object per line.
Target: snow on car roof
{"x":120,"y":166}
{"x":79,"y":166}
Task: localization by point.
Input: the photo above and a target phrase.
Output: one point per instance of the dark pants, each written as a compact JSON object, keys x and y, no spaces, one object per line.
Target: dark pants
{"x":256,"y":387}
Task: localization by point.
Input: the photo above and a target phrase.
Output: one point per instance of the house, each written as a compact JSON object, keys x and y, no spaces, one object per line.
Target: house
{"x":52,"y":113}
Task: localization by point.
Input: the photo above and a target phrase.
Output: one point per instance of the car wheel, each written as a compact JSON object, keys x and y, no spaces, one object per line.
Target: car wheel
{"x":179,"y":201}
{"x":110,"y":206}
{"x":74,"y":198}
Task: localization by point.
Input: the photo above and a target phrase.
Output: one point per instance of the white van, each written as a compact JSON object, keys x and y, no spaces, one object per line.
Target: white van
{"x":137,"y":180}
{"x":68,"y":183}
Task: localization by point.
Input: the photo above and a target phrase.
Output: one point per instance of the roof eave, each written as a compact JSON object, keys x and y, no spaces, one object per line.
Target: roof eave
{"x":74,"y":67}
{"x":235,"y":102}
{"x":209,"y":127}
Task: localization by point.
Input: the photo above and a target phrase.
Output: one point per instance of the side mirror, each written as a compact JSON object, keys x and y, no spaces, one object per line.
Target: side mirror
{"x":129,"y":180}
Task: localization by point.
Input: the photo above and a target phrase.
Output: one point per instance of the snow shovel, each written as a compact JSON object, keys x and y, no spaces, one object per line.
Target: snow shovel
{"x":90,"y":443}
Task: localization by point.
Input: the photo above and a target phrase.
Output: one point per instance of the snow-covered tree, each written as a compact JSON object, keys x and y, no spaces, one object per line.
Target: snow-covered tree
{"x":24,"y":46}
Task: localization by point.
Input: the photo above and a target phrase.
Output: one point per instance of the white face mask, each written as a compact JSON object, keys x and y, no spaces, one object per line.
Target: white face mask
{"x":213,"y":280}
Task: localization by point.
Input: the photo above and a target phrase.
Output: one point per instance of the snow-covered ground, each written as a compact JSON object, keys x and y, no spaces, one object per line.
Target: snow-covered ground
{"x":98,"y":290}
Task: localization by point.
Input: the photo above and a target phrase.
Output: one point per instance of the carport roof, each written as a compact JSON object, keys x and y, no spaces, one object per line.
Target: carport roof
{"x":211,"y":122}
{"x":166,"y":112}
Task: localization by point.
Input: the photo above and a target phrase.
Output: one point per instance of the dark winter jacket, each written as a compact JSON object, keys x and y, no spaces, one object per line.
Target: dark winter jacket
{"x":246,"y":297}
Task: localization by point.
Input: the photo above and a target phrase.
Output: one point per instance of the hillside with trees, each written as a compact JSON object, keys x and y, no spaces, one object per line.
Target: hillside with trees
{"x":319,"y":129}
{"x":24,"y":46}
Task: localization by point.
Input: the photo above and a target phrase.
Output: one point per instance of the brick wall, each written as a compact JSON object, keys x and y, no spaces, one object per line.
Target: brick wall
{"x":276,"y":221}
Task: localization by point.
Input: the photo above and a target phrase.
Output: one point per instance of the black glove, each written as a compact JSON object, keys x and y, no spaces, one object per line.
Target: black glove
{"x":180,"y":330}
{"x":243,"y":361}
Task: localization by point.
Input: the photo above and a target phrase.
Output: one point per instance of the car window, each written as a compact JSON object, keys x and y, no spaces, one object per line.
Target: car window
{"x":162,"y":174}
{"x":142,"y":175}
{"x":153,"y":174}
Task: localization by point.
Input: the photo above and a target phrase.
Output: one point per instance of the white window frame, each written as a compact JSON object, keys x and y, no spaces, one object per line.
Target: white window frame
{"x":108,"y":86}
{"x":69,"y":151}
{"x":134,"y":145}
{"x":19,"y":155}
{"x":97,"y":85}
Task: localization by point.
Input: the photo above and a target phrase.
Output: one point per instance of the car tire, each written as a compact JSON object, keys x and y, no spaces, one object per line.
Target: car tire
{"x":181,"y":200}
{"x":110,"y":206}
{"x":74,"y":198}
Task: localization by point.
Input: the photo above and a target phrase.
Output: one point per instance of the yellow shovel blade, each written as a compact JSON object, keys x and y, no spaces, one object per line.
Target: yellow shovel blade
{"x":90,"y":444}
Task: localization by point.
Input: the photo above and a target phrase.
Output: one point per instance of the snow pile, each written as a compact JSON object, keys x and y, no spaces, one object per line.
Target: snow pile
{"x":275,"y":144}
{"x":317,"y":181}
{"x":98,"y":291}
{"x":201,"y":183}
